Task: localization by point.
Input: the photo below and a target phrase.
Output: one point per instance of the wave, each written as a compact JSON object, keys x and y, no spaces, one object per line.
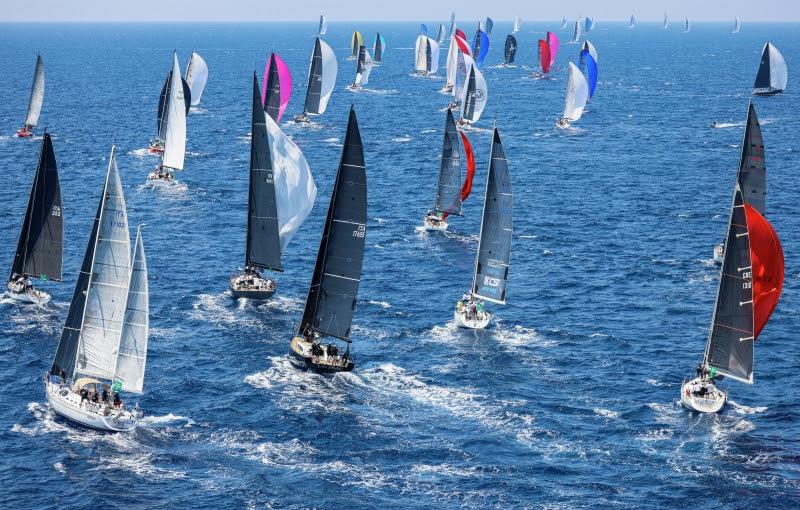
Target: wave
{"x":606,"y":413}
{"x":140,"y":153}
{"x":197,"y":110}
{"x":138,"y":464}
{"x":402,"y":139}
{"x":742,"y":409}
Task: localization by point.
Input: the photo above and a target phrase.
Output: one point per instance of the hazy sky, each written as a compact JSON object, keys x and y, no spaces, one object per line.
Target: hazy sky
{"x":414,"y":10}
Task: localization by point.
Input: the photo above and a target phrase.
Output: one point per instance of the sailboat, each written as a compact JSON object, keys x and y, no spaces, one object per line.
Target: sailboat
{"x":448,"y":191}
{"x":379,"y":48}
{"x":452,"y":29}
{"x":363,"y":69}
{"x":577,"y":95}
{"x":564,"y":23}
{"x":323,"y":25}
{"x":277,"y":87}
{"x":426,"y":56}
{"x":490,"y":279}
{"x":666,"y":21}
{"x":331,"y":300}
{"x":737,"y":26}
{"x":105,"y":334}
{"x":588,"y":25}
{"x":356,"y":41}
{"x":281,"y":195}
{"x":576,"y":34}
{"x":752,"y":174}
{"x":489,"y":26}
{"x":544,"y":59}
{"x":175,"y":108}
{"x":196,"y":76}
{"x":321,"y":81}
{"x":510,"y":50}
{"x":589,"y":65}
{"x":750,"y":284}
{"x":458,"y":45}
{"x":480,"y":47}
{"x":157,"y":146}
{"x":475,"y":95}
{"x":440,"y":38}
{"x":589,"y":47}
{"x":41,"y":241}
{"x":553,"y":44}
{"x":772,"y":72}
{"x":517,"y":25}
{"x":686,"y":25}
{"x":632,"y":21}
{"x":35,"y":101}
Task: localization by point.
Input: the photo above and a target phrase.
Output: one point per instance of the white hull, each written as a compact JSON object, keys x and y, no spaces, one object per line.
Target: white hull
{"x":434,"y":226}
{"x":480,"y":322}
{"x":160,"y":180}
{"x":67,"y":404}
{"x":28,"y":296}
{"x":709,"y":401}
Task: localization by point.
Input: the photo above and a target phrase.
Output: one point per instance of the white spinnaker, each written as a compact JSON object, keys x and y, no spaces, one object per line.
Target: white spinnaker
{"x":135,"y":328}
{"x":577,"y":94}
{"x":420,"y":51}
{"x":37,"y":94}
{"x":329,"y":70}
{"x":295,"y":191}
{"x":778,"y":73}
{"x":196,"y":77}
{"x":592,"y":51}
{"x":452,"y":62}
{"x":481,"y":95}
{"x":107,"y":292}
{"x":434,"y":56}
{"x":175,"y":141}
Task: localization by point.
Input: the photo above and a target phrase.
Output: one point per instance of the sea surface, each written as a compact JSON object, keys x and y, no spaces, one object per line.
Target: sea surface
{"x":569,"y":400}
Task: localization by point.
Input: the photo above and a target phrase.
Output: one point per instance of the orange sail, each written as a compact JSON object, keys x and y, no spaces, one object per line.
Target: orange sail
{"x":766,"y":256}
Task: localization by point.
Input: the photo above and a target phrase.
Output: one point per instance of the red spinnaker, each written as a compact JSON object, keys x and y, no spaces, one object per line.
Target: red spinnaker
{"x":461,"y":34}
{"x":466,"y":188}
{"x":544,"y":56}
{"x":766,"y":258}
{"x":462,"y":44}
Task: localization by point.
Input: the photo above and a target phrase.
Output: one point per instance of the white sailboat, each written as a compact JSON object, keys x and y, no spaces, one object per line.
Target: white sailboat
{"x":687,"y":26}
{"x":577,"y":96}
{"x":632,"y":21}
{"x":105,"y":335}
{"x":475,"y":94}
{"x":323,"y":25}
{"x":321,"y":80}
{"x":666,"y":21}
{"x":517,"y":25}
{"x":490,"y":279}
{"x":363,"y":69}
{"x":737,"y":26}
{"x":196,"y":76}
{"x":426,"y":51}
{"x":35,"y":101}
{"x":175,"y":110}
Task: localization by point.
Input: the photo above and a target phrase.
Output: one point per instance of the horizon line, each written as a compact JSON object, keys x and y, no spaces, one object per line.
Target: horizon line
{"x":658,"y":21}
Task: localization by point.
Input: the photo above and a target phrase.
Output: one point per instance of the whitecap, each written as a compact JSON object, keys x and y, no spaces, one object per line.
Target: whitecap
{"x":605,"y":413}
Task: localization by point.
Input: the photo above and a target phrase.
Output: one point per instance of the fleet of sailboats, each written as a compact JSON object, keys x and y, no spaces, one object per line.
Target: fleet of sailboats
{"x":35,"y":101}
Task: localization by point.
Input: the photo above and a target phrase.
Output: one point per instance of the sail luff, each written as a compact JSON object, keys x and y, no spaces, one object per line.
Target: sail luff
{"x":132,"y":356}
{"x":448,"y":191}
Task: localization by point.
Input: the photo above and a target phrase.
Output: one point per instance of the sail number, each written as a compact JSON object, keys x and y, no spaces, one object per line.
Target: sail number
{"x":360,"y":232}
{"x":491,"y":282}
{"x":56,"y":211}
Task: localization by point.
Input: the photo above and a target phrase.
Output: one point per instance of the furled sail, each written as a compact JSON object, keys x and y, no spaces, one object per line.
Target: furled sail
{"x":321,"y":78}
{"x":132,"y":355}
{"x":380,"y":46}
{"x":772,"y":74}
{"x":196,"y":77}
{"x":475,"y":95}
{"x":494,"y":245}
{"x":175,"y":113}
{"x":41,"y":241}
{"x":263,"y":242}
{"x":356,"y":41}
{"x":37,"y":94}
{"x":510,"y":49}
{"x":517,"y":25}
{"x":448,"y":191}
{"x":333,"y":291}
{"x":591,"y":71}
{"x":577,"y":94}
{"x":323,"y":25}
{"x":480,"y":47}
{"x":277,"y":88}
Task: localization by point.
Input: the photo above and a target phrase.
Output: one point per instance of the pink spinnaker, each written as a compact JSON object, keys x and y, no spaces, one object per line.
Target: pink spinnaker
{"x":552,"y":41}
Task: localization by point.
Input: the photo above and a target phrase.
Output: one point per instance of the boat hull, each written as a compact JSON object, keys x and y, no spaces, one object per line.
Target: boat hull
{"x":766,"y":92}
{"x":29,"y":296}
{"x":262,"y":291}
{"x":712,"y":401}
{"x":301,"y":354}
{"x":434,"y":226}
{"x":462,"y":321}
{"x":67,"y":404}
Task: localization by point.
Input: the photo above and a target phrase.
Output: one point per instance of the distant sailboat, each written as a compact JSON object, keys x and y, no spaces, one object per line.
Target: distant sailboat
{"x":666,"y":21}
{"x":442,"y":34}
{"x":106,"y":331}
{"x":281,"y":195}
{"x":687,"y":26}
{"x":426,"y":52}
{"x":490,"y":279}
{"x":277,"y":89}
{"x":588,"y":46}
{"x":750,"y":284}
{"x":41,"y":241}
{"x":517,"y":25}
{"x":448,"y":190}
{"x":379,"y":48}
{"x":356,"y":41}
{"x":576,"y":33}
{"x":423,"y":29}
{"x":463,"y":68}
{"x":157,"y":146}
{"x":332,"y":295}
{"x":588,"y":25}
{"x":489,"y":26}
{"x":363,"y":69}
{"x":321,"y":81}
{"x":632,"y":21}
{"x":510,"y":50}
{"x":475,"y":96}
{"x":564,"y":23}
{"x":452,"y":29}
{"x":196,"y":76}
{"x":35,"y":101}
{"x":480,"y":47}
{"x":173,"y":122}
{"x":772,"y":74}
{"x":577,"y":96}
{"x":323,"y":25}
{"x":737,"y":26}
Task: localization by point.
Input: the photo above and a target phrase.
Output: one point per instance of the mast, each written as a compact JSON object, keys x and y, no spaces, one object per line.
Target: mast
{"x":263,"y":240}
{"x":331,"y":300}
{"x":490,"y":278}
{"x":41,"y":240}
{"x":448,"y":191}
{"x":37,"y":94}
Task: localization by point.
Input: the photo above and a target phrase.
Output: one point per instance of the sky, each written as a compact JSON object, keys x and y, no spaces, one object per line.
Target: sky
{"x":399,"y":10}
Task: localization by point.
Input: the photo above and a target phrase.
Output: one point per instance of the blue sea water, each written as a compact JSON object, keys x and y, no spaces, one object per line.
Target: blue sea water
{"x":569,"y":399}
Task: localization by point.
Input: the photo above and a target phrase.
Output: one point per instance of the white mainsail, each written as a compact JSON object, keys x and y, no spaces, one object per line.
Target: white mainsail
{"x":686,"y":25}
{"x":37,"y":94}
{"x":577,"y":94}
{"x":329,"y":70}
{"x":737,"y":25}
{"x":368,"y":64}
{"x":196,"y":76}
{"x":135,"y":328}
{"x":175,"y":141}
{"x":107,"y":292}
{"x":295,"y":190}
{"x":666,"y":21}
{"x":465,"y":63}
{"x":517,"y":25}
{"x":452,"y":62}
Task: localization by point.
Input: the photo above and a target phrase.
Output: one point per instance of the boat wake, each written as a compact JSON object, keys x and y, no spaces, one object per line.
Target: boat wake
{"x":333,"y":141}
{"x":432,"y":77}
{"x":741,"y":409}
{"x":197,"y":110}
{"x":283,"y":304}
{"x":402,"y":139}
{"x":141,"y":153}
{"x":725,"y":125}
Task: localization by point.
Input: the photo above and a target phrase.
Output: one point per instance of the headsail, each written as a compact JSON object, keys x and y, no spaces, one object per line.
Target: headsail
{"x":448,"y":191}
{"x":196,"y":77}
{"x":321,"y":78}
{"x":333,"y":291}
{"x":363,"y":67}
{"x":510,"y":49}
{"x":37,"y":94}
{"x":323,"y":25}
{"x":277,"y":89}
{"x":772,"y":74}
{"x":263,"y":243}
{"x":752,"y":175}
{"x":175,"y":113}
{"x":356,"y":41}
{"x":577,"y":94}
{"x":544,"y":56}
{"x":494,"y":245}
{"x":41,"y":241}
{"x":132,"y":355}
{"x":591,"y":71}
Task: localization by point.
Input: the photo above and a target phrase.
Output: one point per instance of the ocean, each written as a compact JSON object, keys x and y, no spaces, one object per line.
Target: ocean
{"x":569,"y":400}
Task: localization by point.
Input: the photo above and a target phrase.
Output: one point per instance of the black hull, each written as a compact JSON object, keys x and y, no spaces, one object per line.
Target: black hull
{"x":253,"y":294}
{"x":308,"y":364}
{"x":767,"y":92}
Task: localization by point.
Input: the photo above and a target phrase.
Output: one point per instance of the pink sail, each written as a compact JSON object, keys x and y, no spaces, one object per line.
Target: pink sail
{"x":552,"y":41}
{"x":284,"y":80}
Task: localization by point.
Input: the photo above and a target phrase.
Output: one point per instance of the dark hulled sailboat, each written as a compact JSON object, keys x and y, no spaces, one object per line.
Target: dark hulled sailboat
{"x":510,"y":50}
{"x":321,"y":80}
{"x":263,"y":248}
{"x":448,"y":190}
{"x":41,"y":241}
{"x":334,"y":285}
{"x":772,"y":74}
